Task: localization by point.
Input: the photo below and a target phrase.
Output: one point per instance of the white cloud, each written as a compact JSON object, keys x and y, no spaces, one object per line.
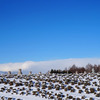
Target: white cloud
{"x":44,"y":66}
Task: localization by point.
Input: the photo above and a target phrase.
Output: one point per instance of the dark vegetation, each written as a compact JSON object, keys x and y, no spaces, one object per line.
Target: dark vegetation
{"x":73,"y":69}
{"x":52,"y":86}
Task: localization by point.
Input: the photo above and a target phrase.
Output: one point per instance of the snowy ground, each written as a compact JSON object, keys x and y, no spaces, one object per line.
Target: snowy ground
{"x":50,"y":86}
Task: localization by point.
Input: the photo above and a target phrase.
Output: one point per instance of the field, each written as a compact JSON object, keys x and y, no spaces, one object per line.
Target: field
{"x":82,"y":86}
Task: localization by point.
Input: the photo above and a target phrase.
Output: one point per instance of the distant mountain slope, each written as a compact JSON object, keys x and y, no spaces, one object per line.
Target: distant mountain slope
{"x":44,"y":66}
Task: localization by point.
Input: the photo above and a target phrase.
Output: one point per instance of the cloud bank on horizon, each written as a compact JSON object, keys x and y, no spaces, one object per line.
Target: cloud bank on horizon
{"x":44,"y":66}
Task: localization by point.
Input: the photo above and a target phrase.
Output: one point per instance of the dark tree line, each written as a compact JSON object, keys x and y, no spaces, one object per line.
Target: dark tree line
{"x":73,"y":69}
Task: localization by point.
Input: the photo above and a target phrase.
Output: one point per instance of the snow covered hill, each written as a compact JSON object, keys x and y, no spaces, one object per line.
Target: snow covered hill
{"x":83,"y":86}
{"x":44,"y":66}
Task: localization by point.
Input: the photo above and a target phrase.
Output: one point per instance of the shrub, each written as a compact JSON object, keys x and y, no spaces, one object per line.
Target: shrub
{"x":70,"y":97}
{"x":98,"y":95}
{"x":65,"y":89}
{"x":92,"y":90}
{"x":49,"y":87}
{"x":80,"y":91}
{"x":72,"y":90}
{"x":91,"y":98}
{"x":69,"y":87}
{"x":10,"y":83}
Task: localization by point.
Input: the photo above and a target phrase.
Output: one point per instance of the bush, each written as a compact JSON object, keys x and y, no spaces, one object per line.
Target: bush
{"x":91,"y":98}
{"x":80,"y":91}
{"x":92,"y":90}
{"x":70,"y":97}
{"x":69,"y":87}
{"x":10,"y":83}
{"x":65,"y":89}
{"x":98,"y":95}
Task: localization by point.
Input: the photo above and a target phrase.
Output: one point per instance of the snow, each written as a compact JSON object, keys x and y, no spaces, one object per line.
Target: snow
{"x":44,"y":66}
{"x":35,"y":78}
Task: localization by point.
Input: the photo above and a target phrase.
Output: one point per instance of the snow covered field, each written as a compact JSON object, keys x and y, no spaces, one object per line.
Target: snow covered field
{"x":50,"y":86}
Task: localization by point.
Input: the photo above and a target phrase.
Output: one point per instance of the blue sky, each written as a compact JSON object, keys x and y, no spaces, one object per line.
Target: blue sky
{"x":38,"y":30}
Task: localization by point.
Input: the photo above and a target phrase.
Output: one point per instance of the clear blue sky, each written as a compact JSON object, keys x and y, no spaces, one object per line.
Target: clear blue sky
{"x":37,"y":30}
